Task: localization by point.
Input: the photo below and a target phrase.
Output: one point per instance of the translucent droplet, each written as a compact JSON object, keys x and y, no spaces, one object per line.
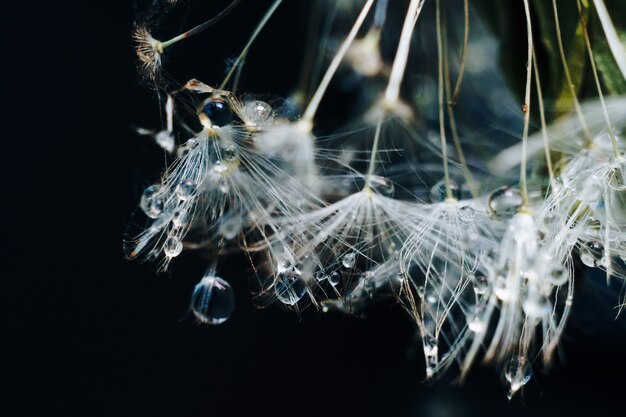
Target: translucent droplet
{"x":334,"y":278}
{"x":185,"y":189}
{"x":218,"y":112}
{"x":348,"y":260}
{"x":467,"y":214}
{"x":618,"y":177}
{"x":592,"y":254}
{"x":181,"y":218}
{"x":165,"y":140}
{"x":320,"y":276}
{"x":230,"y":227}
{"x":290,"y":287}
{"x":421,"y":291}
{"x":430,"y":345}
{"x":382,"y":185}
{"x":212,"y":300}
{"x":517,"y":374}
{"x":589,"y":189}
{"x":230,"y":153}
{"x":536,"y":306}
{"x":173,"y":247}
{"x":431,"y":297}
{"x":152,"y":201}
{"x":438,"y":192}
{"x":258,"y":112}
{"x":480,"y":284}
{"x":505,"y":202}
{"x":476,"y":323}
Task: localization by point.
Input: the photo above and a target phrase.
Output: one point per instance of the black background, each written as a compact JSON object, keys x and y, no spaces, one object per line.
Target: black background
{"x":91,"y":334}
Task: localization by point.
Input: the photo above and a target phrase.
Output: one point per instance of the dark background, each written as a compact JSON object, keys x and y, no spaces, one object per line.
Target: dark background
{"x":91,"y":334}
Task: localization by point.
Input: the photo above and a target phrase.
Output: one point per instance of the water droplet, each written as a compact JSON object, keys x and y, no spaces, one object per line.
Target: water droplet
{"x":181,"y":218}
{"x":173,"y":247}
{"x":230,"y":153}
{"x":334,"y":278}
{"x":517,"y":374}
{"x":290,"y":287}
{"x":589,"y":189}
{"x":430,"y":345}
{"x":421,"y":291}
{"x":320,"y":276}
{"x":505,"y":202}
{"x":348,"y":260}
{"x":592,"y":254}
{"x":185,"y":189}
{"x":476,"y":324}
{"x":152,"y":201}
{"x":536,"y":306}
{"x":218,"y":112}
{"x":230,"y":227}
{"x":382,"y":185}
{"x":438,"y":192}
{"x":165,"y":140}
{"x":480,"y":284}
{"x":467,"y":214}
{"x":257,"y":112}
{"x":618,"y":176}
{"x":213,"y":300}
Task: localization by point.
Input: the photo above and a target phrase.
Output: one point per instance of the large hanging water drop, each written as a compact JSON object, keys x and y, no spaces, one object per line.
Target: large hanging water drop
{"x":152,"y":201}
{"x":439,"y":194}
{"x":213,"y":300}
{"x":173,"y":247}
{"x":185,"y":189}
{"x":592,"y":254}
{"x":289,"y":286}
{"x":218,"y":111}
{"x":258,"y":113}
{"x":517,"y":374}
{"x":505,"y":202}
{"x":348,"y":260}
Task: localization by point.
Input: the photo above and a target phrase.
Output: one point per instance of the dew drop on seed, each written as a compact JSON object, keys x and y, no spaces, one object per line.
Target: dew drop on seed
{"x":320,"y":276}
{"x":505,"y":201}
{"x":230,"y":227}
{"x":290,"y":287}
{"x":348,"y":260}
{"x":592,"y":254}
{"x":181,"y":218}
{"x":173,"y":247}
{"x":589,"y":189}
{"x":165,"y":140}
{"x":185,"y":189}
{"x":430,"y":346}
{"x":152,"y":202}
{"x":421,"y":291}
{"x":334,"y":278}
{"x":618,"y":176}
{"x":536,"y":306}
{"x":213,"y":300}
{"x":382,"y":185}
{"x":438,"y":192}
{"x":230,"y":153}
{"x":517,"y":374}
{"x":217,"y":111}
{"x":467,"y":214}
{"x":258,"y":112}
{"x":480,"y":284}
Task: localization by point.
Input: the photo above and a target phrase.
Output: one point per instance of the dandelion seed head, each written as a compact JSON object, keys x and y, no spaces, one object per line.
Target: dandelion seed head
{"x":149,"y":51}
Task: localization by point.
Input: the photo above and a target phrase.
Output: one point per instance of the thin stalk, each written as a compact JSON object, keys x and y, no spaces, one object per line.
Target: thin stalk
{"x":542,"y":116}
{"x":594,"y":70}
{"x":568,"y":77}
{"x":311,"y":109}
{"x":452,"y":102}
{"x":392,"y":93}
{"x":255,"y":34}
{"x":201,"y":27}
{"x":526,"y":110}
{"x":442,"y":122}
{"x":459,"y":80}
{"x":615,"y":44}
